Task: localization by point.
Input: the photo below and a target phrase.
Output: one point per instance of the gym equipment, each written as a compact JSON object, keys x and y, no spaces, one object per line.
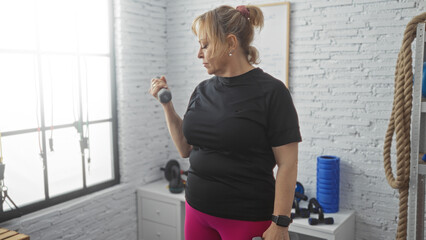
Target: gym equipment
{"x":3,"y":189}
{"x":315,"y":207}
{"x":164,"y":95}
{"x":5,"y":196}
{"x":328,"y":178}
{"x":424,"y":80}
{"x":299,"y":189}
{"x":298,"y":196}
{"x":2,"y":167}
{"x":407,"y":122}
{"x":172,"y":173}
{"x":299,"y":212}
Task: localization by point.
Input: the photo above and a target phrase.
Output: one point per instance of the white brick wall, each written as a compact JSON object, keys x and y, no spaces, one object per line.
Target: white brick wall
{"x":342,"y":56}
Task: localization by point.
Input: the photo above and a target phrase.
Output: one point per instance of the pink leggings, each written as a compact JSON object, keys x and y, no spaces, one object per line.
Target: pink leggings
{"x":199,"y":225}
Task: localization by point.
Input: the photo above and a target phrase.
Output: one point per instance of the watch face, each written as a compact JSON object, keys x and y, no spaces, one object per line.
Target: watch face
{"x":283,"y":221}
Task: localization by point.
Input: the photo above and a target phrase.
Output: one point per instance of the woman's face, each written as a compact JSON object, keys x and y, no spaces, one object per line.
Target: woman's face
{"x":214,"y":65}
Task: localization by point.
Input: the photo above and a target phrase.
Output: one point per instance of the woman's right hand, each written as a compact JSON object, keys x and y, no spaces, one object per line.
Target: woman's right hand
{"x":156,"y":85}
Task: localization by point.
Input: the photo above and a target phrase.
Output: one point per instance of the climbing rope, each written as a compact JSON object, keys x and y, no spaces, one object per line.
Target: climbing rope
{"x":399,"y":124}
{"x":1,"y":152}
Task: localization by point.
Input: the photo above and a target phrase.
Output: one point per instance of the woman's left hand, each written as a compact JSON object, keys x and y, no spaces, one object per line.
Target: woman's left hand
{"x":275,"y":232}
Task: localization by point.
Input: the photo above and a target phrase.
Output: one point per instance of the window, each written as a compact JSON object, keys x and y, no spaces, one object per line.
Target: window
{"x":58,"y":119}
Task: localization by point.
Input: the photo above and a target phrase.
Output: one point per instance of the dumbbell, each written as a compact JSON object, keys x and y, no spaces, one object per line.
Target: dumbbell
{"x":164,"y":95}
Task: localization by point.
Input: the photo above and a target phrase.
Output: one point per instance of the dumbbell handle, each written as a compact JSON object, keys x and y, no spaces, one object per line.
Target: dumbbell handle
{"x":164,"y":95}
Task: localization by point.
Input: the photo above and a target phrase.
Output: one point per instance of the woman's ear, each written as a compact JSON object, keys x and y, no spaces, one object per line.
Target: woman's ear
{"x":232,"y":42}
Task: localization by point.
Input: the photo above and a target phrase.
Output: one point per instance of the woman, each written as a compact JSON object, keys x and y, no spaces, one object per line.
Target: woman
{"x":238,"y":125}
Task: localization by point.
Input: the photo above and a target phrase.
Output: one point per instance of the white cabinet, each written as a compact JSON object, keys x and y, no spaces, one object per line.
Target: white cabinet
{"x":161,"y":216}
{"x":157,"y":231}
{"x":159,"y":211}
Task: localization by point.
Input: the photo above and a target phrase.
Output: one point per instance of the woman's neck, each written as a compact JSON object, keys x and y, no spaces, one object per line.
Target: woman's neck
{"x":236,"y":67}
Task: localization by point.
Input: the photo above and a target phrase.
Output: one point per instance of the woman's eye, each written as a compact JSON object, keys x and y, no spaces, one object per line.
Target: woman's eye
{"x":204,"y":47}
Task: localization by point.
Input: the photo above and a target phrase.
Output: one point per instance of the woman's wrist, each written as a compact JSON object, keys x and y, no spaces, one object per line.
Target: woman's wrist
{"x":279,"y":228}
{"x":167,"y":106}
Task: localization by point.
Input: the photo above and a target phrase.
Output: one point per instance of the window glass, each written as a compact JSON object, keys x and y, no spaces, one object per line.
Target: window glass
{"x":96,"y":88}
{"x":60,"y":89}
{"x":64,"y":162}
{"x":57,"y":25}
{"x":93,"y":26}
{"x":23,"y":174}
{"x":17,"y":25}
{"x":19,"y":100}
{"x":100,"y":167}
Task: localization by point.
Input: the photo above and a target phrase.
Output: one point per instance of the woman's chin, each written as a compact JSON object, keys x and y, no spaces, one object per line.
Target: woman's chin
{"x":210,"y":72}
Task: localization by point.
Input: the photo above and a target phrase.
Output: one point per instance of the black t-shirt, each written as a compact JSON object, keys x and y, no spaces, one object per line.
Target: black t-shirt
{"x":233,"y":123}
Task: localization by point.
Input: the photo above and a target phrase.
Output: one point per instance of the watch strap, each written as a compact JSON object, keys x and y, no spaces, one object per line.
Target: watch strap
{"x":282,"y":220}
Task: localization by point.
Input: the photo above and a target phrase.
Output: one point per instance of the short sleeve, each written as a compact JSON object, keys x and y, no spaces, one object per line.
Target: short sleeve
{"x":192,"y":100}
{"x":283,"y":123}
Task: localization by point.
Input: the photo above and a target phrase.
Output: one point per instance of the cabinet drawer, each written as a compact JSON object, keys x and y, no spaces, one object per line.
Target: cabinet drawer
{"x":156,"y":231}
{"x":160,"y":212}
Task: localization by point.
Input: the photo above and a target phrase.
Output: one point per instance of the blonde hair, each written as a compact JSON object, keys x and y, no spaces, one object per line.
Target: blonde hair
{"x":218,"y":23}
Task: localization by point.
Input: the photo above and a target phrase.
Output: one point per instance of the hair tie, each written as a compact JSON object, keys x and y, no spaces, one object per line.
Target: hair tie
{"x":244,"y":11}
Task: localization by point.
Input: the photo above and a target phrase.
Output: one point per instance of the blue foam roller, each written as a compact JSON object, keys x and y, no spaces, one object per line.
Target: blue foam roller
{"x":328,"y":182}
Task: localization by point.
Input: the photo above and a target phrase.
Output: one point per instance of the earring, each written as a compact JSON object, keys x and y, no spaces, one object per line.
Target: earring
{"x":230,"y":54}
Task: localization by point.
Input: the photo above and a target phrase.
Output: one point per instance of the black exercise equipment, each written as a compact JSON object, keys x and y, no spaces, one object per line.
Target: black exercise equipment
{"x":315,"y":207}
{"x":299,"y":212}
{"x":299,"y":193}
{"x":298,"y":196}
{"x":172,"y":173}
{"x":299,"y":189}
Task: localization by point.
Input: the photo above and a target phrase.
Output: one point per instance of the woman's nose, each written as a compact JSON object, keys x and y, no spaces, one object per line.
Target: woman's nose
{"x":200,"y":53}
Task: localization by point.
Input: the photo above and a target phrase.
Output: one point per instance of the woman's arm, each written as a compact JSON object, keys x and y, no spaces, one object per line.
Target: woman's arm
{"x":286,"y":158}
{"x":174,"y":122}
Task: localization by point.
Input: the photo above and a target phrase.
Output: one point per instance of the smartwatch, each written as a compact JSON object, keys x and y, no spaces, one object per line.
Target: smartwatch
{"x":282,"y":220}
